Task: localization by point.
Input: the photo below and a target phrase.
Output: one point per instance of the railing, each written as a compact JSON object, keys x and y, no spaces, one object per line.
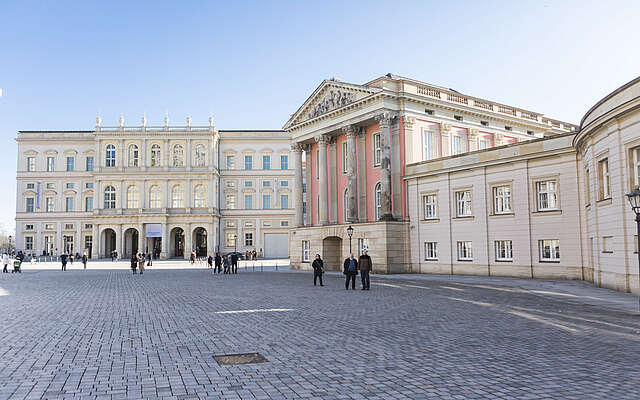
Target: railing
{"x":483,"y":104}
{"x":506,"y":110}
{"x":529,"y":115}
{"x":428,"y":91}
{"x":457,"y":99}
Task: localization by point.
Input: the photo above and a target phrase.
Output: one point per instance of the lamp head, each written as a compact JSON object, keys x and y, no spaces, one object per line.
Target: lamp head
{"x":634,"y":200}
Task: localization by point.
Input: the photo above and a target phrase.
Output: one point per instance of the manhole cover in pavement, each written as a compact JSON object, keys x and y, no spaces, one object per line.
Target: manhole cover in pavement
{"x":235,"y":359}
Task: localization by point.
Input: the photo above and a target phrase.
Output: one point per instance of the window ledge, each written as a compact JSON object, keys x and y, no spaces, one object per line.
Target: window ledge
{"x":430,"y":220}
{"x":498,"y":215}
{"x":607,"y":252}
{"x":466,"y":261}
{"x":548,"y":212}
{"x":431,"y":259}
{"x":604,"y":202}
{"x":465,"y":217}
{"x":504,"y":261}
{"x":550,"y":261}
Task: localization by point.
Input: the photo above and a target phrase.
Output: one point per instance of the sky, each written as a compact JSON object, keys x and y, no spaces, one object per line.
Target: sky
{"x":251,"y":64}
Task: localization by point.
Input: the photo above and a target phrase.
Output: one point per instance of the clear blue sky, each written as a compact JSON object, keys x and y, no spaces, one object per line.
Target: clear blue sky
{"x":251,"y":64}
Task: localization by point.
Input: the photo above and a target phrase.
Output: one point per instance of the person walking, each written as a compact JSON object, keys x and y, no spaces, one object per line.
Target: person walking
{"x":141,"y":259}
{"x":134,"y":263}
{"x":218,"y":262}
{"x":234,"y":263}
{"x":5,"y":262}
{"x":318,"y":269}
{"x":365,"y":266}
{"x":149,"y":261}
{"x":350,"y":267}
{"x":84,"y":260}
{"x":71,"y":258}
{"x":210,"y":263}
{"x":63,"y":260}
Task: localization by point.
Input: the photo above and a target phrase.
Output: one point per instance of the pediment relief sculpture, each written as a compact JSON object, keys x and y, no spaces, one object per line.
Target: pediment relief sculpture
{"x":331,"y":101}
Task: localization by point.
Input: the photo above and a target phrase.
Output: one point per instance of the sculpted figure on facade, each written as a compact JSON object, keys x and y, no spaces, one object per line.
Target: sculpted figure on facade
{"x":332,"y":100}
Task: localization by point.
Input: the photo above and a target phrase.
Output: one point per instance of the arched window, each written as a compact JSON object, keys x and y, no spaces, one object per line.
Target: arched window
{"x":110,"y":156}
{"x":155,"y":155}
{"x":345,"y":202}
{"x":133,"y":155}
{"x":177,"y":197}
{"x":377,"y":199}
{"x":154,"y":197}
{"x":200,"y":156}
{"x":132,"y":197}
{"x":200,"y":196}
{"x":109,"y":197}
{"x":178,"y":156}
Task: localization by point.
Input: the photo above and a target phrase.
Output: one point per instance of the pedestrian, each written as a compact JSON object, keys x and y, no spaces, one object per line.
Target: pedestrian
{"x":227,"y":264}
{"x":112,"y":255}
{"x":85,"y":259}
{"x":350,"y":267}
{"x":365,"y":266}
{"x":191,"y":258}
{"x":63,"y":259}
{"x":149,"y":261}
{"x":71,"y":258}
{"x":210,"y":262}
{"x":5,"y":262}
{"x":318,"y":269}
{"x":134,"y":263}
{"x":218,"y":262}
{"x":234,"y":263}
{"x":141,"y":259}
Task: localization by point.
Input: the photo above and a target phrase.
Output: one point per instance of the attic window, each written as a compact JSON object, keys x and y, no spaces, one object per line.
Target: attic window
{"x":428,"y":112}
{"x":529,"y":132}
{"x":484,"y":123}
{"x":507,"y":128}
{"x":458,"y":117}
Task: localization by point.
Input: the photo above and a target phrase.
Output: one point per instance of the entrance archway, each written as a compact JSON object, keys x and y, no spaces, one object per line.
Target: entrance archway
{"x":200,"y":241}
{"x":109,"y":242}
{"x":332,"y":253}
{"x":176,"y":242}
{"x":130,"y":243}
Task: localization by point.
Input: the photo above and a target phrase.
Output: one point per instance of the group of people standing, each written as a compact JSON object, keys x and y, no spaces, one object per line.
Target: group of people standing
{"x":228,"y":264}
{"x":68,"y":258}
{"x":351,"y":267}
{"x":138,"y":260}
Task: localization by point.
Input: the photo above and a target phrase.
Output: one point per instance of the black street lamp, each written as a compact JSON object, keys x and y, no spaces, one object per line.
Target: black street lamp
{"x":350,"y":233}
{"x":634,"y":200}
{"x":235,"y":243}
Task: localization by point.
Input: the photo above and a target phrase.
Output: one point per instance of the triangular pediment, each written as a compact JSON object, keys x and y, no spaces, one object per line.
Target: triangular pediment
{"x":331,"y":95}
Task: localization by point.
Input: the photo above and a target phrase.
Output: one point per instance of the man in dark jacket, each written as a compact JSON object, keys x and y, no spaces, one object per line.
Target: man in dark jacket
{"x":318,"y":269}
{"x":218,"y":262}
{"x":63,"y":260}
{"x":365,"y":266}
{"x":351,"y":271}
{"x":234,"y":263}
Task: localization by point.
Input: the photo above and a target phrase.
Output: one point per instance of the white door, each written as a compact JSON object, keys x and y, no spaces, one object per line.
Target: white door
{"x":276,"y":245}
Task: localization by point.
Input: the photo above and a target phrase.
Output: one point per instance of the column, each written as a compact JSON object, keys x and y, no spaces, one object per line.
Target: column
{"x":95,"y":244}
{"x":212,"y":238}
{"x":165,"y":241}
{"x":308,"y":179}
{"x":445,"y":130}
{"x":120,"y":197}
{"x":473,"y":139}
{"x":296,"y":148}
{"x":119,"y":240}
{"x":322,"y":141}
{"x":58,"y":244}
{"x":142,"y":242}
{"x":187,"y":155}
{"x":362,"y":173}
{"x":188,"y":241}
{"x":384,"y":121}
{"x":257,"y":240}
{"x":143,"y":155}
{"x":78,"y":247}
{"x":352,"y":179}
{"x":166,"y":154}
{"x":167,"y":194}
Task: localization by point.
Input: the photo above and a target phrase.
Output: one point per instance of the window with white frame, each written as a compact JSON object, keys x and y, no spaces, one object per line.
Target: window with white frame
{"x":89,"y":163}
{"x":71,"y":161}
{"x":344,"y":157}
{"x":31,"y":164}
{"x":463,"y":203}
{"x":200,"y":155}
{"x":504,"y":250}
{"x":178,"y":156}
{"x":266,"y":162}
{"x":248,"y":239}
{"x":68,"y":204}
{"x":547,"y":193}
{"x":133,"y":155}
{"x":200,"y":196}
{"x":377,"y":149}
{"x":231,"y":201}
{"x":605,"y":182}
{"x":109,"y":197}
{"x":70,"y":185}
{"x":306,"y":246}
{"x":363,"y":244}
{"x":284,"y":223}
{"x":88,"y":185}
{"x":465,"y":251}
{"x":248,"y":162}
{"x":133,"y":197}
{"x":457,"y":144}
{"x":28,"y":227}
{"x":88,"y":204}
{"x":28,"y":242}
{"x":248,"y":183}
{"x":502,"y":199}
{"x":231,"y":163}
{"x":51,"y":164}
{"x":284,"y":201}
{"x":430,"y":251}
{"x":377,"y":205}
{"x":177,"y":197}
{"x":284,"y":183}
{"x":51,"y":185}
{"x":155,"y":197}
{"x":110,"y":156}
{"x":429,"y":145}
{"x":484,"y":143}
{"x":155,"y":155}
{"x":284,"y":161}
{"x":248,"y":202}
{"x":549,"y":250}
{"x":266,"y":201}
{"x":607,"y":244}
{"x":30,"y":204}
{"x":429,"y":202}
{"x":635,"y":157}
{"x":266,"y":184}
{"x":231,"y":239}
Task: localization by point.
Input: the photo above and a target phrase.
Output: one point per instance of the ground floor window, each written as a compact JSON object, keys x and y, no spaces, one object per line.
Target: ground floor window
{"x":67,"y":242}
{"x":465,"y":251}
{"x":504,"y":250}
{"x":430,"y":250}
{"x":306,"y":245}
{"x":28,"y":243}
{"x":248,"y":239}
{"x":549,"y":250}
{"x":363,"y":244}
{"x":231,"y":239}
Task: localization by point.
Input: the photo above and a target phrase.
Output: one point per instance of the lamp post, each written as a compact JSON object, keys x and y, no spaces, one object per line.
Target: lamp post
{"x":235,"y":243}
{"x":634,"y":200}
{"x":350,"y":233}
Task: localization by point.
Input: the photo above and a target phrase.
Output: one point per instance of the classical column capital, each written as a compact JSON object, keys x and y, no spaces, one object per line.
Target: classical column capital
{"x":296,"y":147}
{"x":473,"y":132}
{"x":497,"y":138}
{"x":445,"y":128}
{"x":350,"y":130}
{"x":385,"y":118}
{"x":408,"y":121}
{"x":322,"y":140}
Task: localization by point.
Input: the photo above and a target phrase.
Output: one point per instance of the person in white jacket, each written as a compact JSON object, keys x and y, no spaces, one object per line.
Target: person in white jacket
{"x":5,"y":262}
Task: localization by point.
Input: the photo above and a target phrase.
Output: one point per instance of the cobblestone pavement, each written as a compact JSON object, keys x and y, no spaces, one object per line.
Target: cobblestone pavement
{"x":109,"y":334}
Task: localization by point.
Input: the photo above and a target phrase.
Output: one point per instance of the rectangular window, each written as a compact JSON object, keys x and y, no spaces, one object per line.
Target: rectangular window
{"x":51,"y":185}
{"x":31,"y":186}
{"x":231,"y":184}
{"x":463,"y":203}
{"x":430,"y":251}
{"x":304,"y":188}
{"x":607,"y":244}
{"x":284,"y":162}
{"x":51,"y":164}
{"x":363,"y":244}
{"x":266,"y":162}
{"x":284,"y":183}
{"x":587,"y":187}
{"x":248,"y":183}
{"x":28,"y":227}
{"x":377,"y":149}
{"x":70,"y":185}
{"x":266,"y":184}
{"x":28,"y":243}
{"x":344,"y":157}
{"x":31,"y":164}
{"x":504,"y":250}
{"x":48,"y":227}
{"x":484,"y":144}
{"x":88,"y":185}
{"x":70,"y":163}
{"x":430,"y":145}
{"x":636,"y":167}
{"x":88,"y":226}
{"x":547,"y":192}
{"x":502,"y":200}
{"x":284,"y":201}
{"x":457,"y":145}
{"x":89,"y":163}
{"x":465,"y":251}
{"x":231,"y":201}
{"x":68,"y":227}
{"x":49,"y":204}
{"x":605,"y":185}
{"x":231,"y":239}
{"x":429,"y":202}
{"x":231,"y":224}
{"x":549,"y":250}
{"x":88,"y":204}
{"x":230,"y":162}
{"x":248,"y":202}
{"x":248,"y":239}
{"x":284,"y":223}
{"x":248,"y":162}
{"x":30,"y":202}
{"x":69,"y":204}
{"x":266,"y":201}
{"x":306,"y":246}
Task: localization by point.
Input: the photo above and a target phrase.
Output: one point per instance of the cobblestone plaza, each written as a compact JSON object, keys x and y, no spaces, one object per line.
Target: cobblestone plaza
{"x":109,"y":334}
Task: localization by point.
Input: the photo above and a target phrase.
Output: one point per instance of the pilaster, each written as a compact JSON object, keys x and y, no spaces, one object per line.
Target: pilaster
{"x":362,"y":173}
{"x":385,"y":120}
{"x":323,"y":209}
{"x":296,"y":149}
{"x":352,"y":179}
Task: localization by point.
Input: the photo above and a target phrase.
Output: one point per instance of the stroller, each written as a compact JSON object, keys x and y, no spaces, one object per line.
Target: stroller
{"x":17,"y":266}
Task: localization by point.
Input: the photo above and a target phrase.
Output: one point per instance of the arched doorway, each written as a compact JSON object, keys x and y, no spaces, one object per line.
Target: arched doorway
{"x":200,"y":241}
{"x":130,"y":243}
{"x":332,"y":253}
{"x":176,"y":242}
{"x":109,"y":242}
